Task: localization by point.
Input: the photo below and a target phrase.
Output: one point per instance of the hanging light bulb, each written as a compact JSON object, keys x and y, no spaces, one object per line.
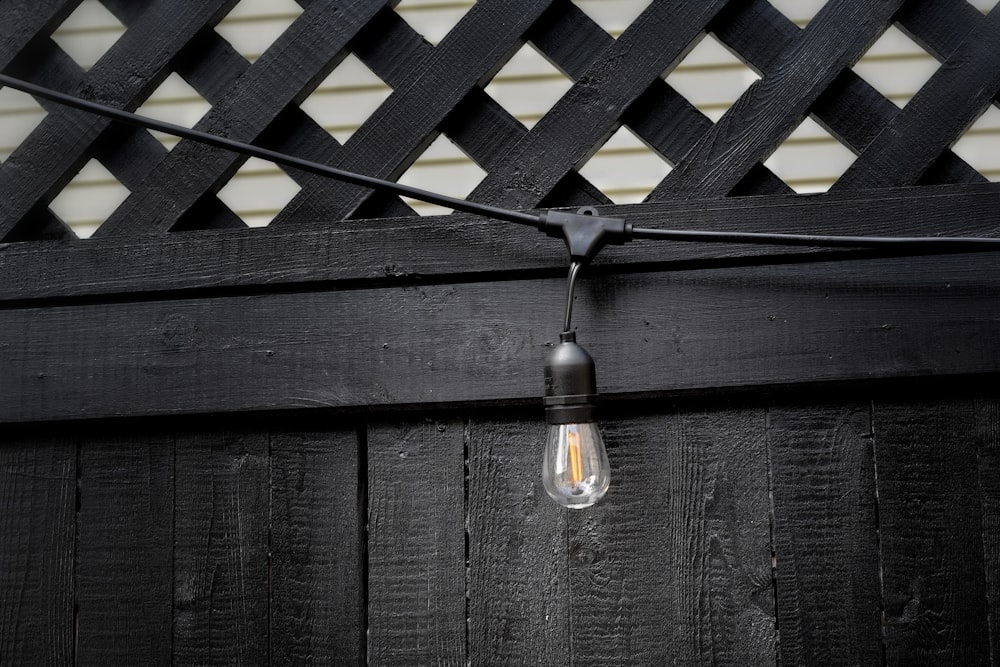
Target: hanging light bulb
{"x":575,"y":470}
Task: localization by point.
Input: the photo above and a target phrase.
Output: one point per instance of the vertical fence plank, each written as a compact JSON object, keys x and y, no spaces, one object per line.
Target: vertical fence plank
{"x":317,"y":601}
{"x":416,"y":556}
{"x":931,"y":534}
{"x":37,"y":530}
{"x":124,"y":554}
{"x":673,"y":567}
{"x":221,"y":549}
{"x":988,"y":427}
{"x":518,"y":580}
{"x":825,"y":535}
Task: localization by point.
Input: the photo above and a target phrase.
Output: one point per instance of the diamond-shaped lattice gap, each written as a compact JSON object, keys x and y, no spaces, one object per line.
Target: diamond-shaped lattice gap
{"x":433,"y":18}
{"x":625,"y":169}
{"x":711,"y":77}
{"x":258,"y":191}
{"x":19,"y":115}
{"x":253,"y":25}
{"x":614,"y":16}
{"x":88,"y":33}
{"x":445,"y":169}
{"x":799,"y":11}
{"x":346,"y":98}
{"x":896,"y":66}
{"x":89,"y":199}
{"x":984,"y":5}
{"x":174,"y":101}
{"x":810,"y":159}
{"x":980,"y":145}
{"x":528,"y":85}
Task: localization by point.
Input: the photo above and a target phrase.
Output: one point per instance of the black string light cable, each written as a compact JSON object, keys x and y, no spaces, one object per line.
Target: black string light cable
{"x":584,"y":232}
{"x":575,"y":469}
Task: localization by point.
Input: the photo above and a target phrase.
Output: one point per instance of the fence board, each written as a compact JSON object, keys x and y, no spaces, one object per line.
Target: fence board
{"x":987,"y":415}
{"x":519,"y":606}
{"x":125,"y":548}
{"x":825,"y":535}
{"x":221,"y":563}
{"x":316,"y":588}
{"x":701,"y":329}
{"x":416,"y":250}
{"x":933,"y":579}
{"x":416,"y":544}
{"x":673,"y":567}
{"x":38,"y":527}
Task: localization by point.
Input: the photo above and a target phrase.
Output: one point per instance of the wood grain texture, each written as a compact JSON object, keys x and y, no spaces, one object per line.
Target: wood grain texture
{"x":486,"y":341}
{"x":850,"y":108}
{"x":518,"y":579}
{"x":930,"y":522}
{"x":937,"y":116}
{"x":583,"y":119}
{"x":774,"y":106}
{"x":825,"y":535}
{"x":395,"y":135}
{"x":285,"y":73}
{"x":416,"y":543}
{"x":317,"y":597}
{"x":673,"y":566}
{"x":221,"y":559}
{"x":124,"y":568}
{"x":37,"y":548}
{"x":987,"y":415}
{"x":416,"y":250}
{"x":123,"y":77}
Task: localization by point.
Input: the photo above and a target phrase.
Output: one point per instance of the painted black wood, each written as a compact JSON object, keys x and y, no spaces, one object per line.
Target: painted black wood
{"x":825,"y":534}
{"x":416,"y":544}
{"x":586,"y":116}
{"x":931,"y":534}
{"x":937,"y":116}
{"x":125,"y":550}
{"x":987,"y":416}
{"x":674,"y":567}
{"x":124,"y":76}
{"x":774,"y":106}
{"x":316,"y":607}
{"x":460,"y":247}
{"x":393,"y":137}
{"x":484,"y":341}
{"x":37,"y":549}
{"x":518,"y":564}
{"x":221,"y":548}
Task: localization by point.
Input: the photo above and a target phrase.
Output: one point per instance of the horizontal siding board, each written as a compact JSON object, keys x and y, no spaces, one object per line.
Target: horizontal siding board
{"x":736,"y":327}
{"x":413,"y":250}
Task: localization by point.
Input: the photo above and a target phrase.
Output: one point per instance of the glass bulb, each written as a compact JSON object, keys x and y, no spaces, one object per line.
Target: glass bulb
{"x":575,"y":471}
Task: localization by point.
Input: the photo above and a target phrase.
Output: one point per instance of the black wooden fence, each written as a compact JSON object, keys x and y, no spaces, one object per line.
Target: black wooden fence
{"x":319,"y":442}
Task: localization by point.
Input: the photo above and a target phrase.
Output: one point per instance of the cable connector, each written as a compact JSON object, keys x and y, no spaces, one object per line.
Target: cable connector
{"x":585,"y":232}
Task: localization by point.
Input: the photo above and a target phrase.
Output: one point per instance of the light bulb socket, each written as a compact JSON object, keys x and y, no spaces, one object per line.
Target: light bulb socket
{"x":570,"y":383}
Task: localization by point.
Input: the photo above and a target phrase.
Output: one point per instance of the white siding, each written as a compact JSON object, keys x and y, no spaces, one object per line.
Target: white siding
{"x":710,"y":76}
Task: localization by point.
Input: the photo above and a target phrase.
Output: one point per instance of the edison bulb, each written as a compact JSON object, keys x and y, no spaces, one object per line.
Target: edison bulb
{"x":575,"y":470}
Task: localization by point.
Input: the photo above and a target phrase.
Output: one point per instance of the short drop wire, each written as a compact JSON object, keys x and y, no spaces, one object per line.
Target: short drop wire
{"x":926,"y":243}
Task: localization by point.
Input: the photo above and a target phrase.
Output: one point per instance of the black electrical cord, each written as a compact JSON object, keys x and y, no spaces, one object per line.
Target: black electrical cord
{"x":551,"y":222}
{"x":317,"y":168}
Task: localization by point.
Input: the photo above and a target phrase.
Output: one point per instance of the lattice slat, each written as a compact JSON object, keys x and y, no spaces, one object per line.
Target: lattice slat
{"x":439,"y":89}
{"x":936,"y":117}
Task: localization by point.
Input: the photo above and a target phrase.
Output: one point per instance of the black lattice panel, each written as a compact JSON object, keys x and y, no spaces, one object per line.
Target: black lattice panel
{"x":439,"y":89}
